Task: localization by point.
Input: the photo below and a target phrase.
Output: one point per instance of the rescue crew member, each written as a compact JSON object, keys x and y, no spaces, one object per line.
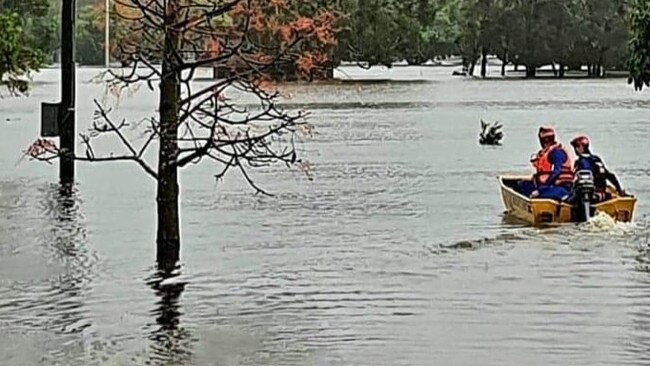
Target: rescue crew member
{"x":588,"y":161}
{"x":553,"y":177}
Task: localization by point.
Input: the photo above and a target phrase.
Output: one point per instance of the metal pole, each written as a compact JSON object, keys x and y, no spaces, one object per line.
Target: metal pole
{"x":68,"y":83}
{"x":107,"y":49}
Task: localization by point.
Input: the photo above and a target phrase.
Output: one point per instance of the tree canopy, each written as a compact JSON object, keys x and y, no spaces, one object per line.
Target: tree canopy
{"x":570,"y":34}
{"x":531,"y":33}
{"x":27,"y":39}
{"x":639,"y":62}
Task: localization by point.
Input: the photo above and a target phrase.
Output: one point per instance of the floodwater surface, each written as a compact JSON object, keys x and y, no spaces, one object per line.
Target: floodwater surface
{"x":396,"y":253}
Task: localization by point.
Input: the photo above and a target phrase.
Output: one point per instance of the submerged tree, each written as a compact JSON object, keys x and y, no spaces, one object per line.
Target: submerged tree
{"x":639,"y":61}
{"x":372,"y":34}
{"x":18,"y":59}
{"x":89,"y":34}
{"x":198,"y":122}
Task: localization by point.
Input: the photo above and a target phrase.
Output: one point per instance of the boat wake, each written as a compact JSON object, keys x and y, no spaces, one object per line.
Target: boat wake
{"x":603,"y":223}
{"x":598,"y":227}
{"x":498,"y":240}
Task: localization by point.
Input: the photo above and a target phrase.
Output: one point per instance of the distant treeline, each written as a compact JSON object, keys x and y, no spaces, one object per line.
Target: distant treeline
{"x":529,"y":33}
{"x":571,"y":34}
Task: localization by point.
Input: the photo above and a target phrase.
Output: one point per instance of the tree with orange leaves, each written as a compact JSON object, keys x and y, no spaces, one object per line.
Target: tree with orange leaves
{"x":311,"y":31}
{"x":198,"y":122}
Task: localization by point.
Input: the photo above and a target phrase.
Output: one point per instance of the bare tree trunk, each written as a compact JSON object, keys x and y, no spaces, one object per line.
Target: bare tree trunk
{"x":554,"y":69}
{"x":504,"y":63}
{"x":472,"y":65}
{"x":562,"y":69}
{"x":329,"y":74}
{"x":531,"y":71}
{"x":168,"y":235}
{"x":483,"y":62}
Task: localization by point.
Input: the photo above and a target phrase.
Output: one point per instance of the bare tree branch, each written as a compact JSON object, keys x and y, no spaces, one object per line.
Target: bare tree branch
{"x":187,"y":35}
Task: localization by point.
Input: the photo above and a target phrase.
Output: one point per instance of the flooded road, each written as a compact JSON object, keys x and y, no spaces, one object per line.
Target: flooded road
{"x":395,"y":254}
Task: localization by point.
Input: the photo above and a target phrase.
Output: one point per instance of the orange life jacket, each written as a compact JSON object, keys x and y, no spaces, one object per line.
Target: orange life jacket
{"x":544,"y":168}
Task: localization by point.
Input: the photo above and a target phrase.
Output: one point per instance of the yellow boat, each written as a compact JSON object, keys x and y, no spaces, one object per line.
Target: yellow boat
{"x":539,"y":212}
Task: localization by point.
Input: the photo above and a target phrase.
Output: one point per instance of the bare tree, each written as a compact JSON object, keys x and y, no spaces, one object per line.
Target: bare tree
{"x":253,"y":39}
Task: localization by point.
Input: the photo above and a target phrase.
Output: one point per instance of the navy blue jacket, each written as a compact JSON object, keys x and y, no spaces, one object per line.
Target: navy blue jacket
{"x":597,"y":167}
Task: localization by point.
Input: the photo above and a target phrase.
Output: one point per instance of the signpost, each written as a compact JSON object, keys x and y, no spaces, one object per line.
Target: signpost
{"x":58,"y":119}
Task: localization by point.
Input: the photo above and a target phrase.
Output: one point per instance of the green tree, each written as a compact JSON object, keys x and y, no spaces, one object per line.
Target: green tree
{"x":503,"y":31}
{"x":371,"y":34}
{"x":90,"y":36}
{"x":639,"y":60}
{"x":19,"y":56}
{"x":479,"y":36}
{"x":27,"y":38}
{"x":413,"y":21}
{"x":533,"y":33}
{"x":601,"y":34}
{"x":542,"y":32}
{"x":447,"y":28}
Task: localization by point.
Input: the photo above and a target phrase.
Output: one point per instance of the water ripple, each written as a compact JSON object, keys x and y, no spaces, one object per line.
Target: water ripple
{"x":394,"y":253}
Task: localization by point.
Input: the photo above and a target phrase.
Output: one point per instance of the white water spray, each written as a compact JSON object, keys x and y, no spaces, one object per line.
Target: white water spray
{"x":603,"y":223}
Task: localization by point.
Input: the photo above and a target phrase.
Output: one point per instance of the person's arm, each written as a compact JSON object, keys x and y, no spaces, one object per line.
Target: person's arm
{"x":612,"y":178}
{"x":558,"y":158}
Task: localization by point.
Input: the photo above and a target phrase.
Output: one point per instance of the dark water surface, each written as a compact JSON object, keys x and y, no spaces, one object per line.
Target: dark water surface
{"x":395,"y":254}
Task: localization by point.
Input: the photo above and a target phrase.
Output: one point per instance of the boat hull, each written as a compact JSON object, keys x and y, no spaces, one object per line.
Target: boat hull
{"x":539,"y":212}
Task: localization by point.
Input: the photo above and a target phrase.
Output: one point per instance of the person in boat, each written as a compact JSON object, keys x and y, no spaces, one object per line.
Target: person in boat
{"x":553,"y":178}
{"x":588,"y":161}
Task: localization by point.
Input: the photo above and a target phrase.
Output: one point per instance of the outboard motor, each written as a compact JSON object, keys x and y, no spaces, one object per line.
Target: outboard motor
{"x":583,"y":189}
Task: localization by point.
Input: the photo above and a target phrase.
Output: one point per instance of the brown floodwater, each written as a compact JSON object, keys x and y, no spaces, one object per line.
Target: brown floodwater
{"x":396,"y":253}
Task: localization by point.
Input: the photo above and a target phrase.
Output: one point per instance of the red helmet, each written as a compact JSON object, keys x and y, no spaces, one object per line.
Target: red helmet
{"x":580,"y":141}
{"x":546,"y":136}
{"x":546,"y":132}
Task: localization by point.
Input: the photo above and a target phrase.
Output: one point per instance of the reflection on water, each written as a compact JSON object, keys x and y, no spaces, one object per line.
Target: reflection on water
{"x":62,"y":207}
{"x":48,"y":274}
{"x":68,"y":240}
{"x":639,"y":344}
{"x":171,"y":342}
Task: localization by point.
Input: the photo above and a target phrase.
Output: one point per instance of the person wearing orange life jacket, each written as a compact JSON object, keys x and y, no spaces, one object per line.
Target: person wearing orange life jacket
{"x":553,"y":177}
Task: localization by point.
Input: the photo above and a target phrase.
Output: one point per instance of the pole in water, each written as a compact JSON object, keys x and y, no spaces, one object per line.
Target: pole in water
{"x":68,"y":90}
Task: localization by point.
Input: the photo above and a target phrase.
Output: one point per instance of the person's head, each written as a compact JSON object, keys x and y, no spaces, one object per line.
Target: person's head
{"x":546,"y":136}
{"x":580,"y":144}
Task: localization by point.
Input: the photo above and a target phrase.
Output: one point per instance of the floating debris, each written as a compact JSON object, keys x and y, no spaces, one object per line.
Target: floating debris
{"x":491,"y":134}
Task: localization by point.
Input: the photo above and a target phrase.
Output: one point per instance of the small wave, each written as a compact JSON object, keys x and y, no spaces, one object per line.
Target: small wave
{"x":501,"y":239}
{"x":600,"y":225}
{"x":603,"y":223}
